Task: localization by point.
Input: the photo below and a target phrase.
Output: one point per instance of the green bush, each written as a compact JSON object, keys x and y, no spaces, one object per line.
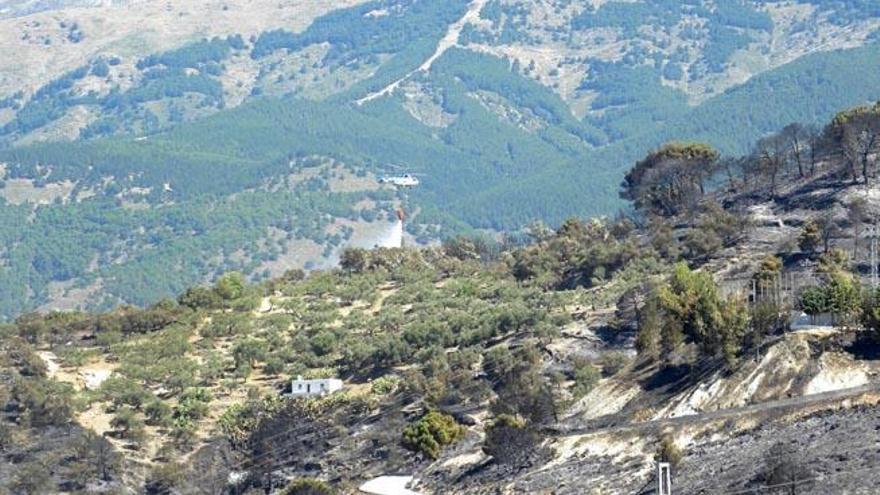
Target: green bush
{"x":128,"y":424}
{"x":307,"y":486}
{"x":431,"y":433}
{"x":613,"y":362}
{"x":385,"y":384}
{"x":810,"y":238}
{"x":124,"y":391}
{"x":586,"y":376}
{"x":193,"y":404}
{"x":158,"y":413}
{"x":46,"y":402}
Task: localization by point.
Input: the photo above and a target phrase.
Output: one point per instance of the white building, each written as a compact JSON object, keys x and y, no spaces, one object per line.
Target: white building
{"x":314,"y":388}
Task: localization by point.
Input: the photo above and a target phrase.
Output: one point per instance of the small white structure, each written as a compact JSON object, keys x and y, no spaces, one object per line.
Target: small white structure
{"x":389,"y":485}
{"x":314,"y":388}
{"x":802,"y":321}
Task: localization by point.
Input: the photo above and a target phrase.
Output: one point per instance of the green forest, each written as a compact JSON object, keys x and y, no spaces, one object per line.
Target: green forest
{"x":512,"y":152}
{"x":482,"y":171}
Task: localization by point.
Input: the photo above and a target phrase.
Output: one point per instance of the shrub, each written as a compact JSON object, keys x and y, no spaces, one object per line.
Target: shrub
{"x":23,"y":357}
{"x":810,"y":237}
{"x":509,"y":440}
{"x":784,"y":464}
{"x":669,"y":451}
{"x":274,"y":365}
{"x":124,"y":391}
{"x":613,"y":362}
{"x":193,"y":404}
{"x":770,"y":269}
{"x":230,"y":286}
{"x":158,"y":413}
{"x":323,"y":343}
{"x":247,"y":352}
{"x":47,"y":402}
{"x":127,"y":423}
{"x":164,"y":477}
{"x":385,"y":384}
{"x":814,"y":301}
{"x":431,"y":433}
{"x":586,"y":376}
{"x":200,"y":297}
{"x":307,"y":486}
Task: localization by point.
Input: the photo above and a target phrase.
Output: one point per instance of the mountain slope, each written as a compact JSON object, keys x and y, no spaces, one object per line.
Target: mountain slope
{"x":512,"y":110}
{"x":570,"y":363}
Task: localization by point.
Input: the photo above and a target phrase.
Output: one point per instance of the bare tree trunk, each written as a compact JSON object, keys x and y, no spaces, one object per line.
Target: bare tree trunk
{"x":796,"y":147}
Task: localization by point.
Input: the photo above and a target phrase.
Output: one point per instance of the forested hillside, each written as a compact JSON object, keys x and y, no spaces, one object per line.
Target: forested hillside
{"x":515,"y":362}
{"x":512,"y":111}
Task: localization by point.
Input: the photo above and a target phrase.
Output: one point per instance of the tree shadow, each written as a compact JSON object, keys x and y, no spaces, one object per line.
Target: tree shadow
{"x":671,"y":378}
{"x":814,"y":195}
{"x":615,"y":337}
{"x":864,"y":348}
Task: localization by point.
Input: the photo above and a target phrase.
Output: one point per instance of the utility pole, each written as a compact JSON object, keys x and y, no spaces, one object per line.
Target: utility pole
{"x":664,"y":479}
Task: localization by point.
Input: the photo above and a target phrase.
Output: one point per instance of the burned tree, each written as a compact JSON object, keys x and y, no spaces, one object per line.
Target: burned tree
{"x":855,"y":136}
{"x":786,"y":471}
{"x":797,"y":138}
{"x":770,"y":157}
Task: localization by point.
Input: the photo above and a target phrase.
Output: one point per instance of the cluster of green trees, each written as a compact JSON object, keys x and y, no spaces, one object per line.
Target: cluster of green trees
{"x":729,"y":24}
{"x":431,"y":433}
{"x":48,"y":103}
{"x":354,"y":34}
{"x":854,"y":137}
{"x":735,"y":111}
{"x":509,"y":25}
{"x":198,"y":235}
{"x":671,"y":179}
{"x":579,"y":254}
{"x":150,"y":370}
{"x":843,"y":12}
{"x":629,"y":16}
{"x":839,"y":292}
{"x":195,"y":55}
{"x":631,"y":96}
{"x":164,"y":78}
{"x":690,"y":309}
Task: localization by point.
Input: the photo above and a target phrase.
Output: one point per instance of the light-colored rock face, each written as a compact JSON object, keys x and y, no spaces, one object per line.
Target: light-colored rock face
{"x":46,"y":43}
{"x":50,"y":38}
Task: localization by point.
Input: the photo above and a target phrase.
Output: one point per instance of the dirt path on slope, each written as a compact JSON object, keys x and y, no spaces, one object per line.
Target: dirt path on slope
{"x":448,"y":41}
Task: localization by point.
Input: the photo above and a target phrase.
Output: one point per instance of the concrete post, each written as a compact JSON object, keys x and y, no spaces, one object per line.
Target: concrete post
{"x":664,"y":479}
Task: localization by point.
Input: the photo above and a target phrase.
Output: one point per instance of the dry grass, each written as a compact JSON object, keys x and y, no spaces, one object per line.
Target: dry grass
{"x":21,"y":191}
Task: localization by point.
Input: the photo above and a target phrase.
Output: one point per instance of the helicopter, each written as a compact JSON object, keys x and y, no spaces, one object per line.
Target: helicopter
{"x":405,"y":180}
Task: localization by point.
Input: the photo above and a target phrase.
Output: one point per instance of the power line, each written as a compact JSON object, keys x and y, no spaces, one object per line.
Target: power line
{"x":796,"y":482}
{"x":787,"y":455}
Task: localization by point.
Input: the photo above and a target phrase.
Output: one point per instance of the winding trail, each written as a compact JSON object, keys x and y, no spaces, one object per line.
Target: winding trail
{"x":448,"y":41}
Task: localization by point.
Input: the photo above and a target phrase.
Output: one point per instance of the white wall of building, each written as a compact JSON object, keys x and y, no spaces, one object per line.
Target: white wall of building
{"x":318,"y":387}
